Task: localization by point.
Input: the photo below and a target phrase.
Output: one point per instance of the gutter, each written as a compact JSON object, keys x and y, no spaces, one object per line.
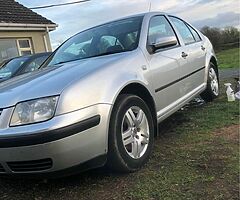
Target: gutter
{"x":30,"y":27}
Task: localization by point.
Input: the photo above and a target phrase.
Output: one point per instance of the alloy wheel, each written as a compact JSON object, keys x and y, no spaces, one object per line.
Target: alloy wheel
{"x":135,"y":132}
{"x":214,"y":81}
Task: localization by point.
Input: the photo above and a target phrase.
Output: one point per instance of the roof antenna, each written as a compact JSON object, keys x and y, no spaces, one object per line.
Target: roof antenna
{"x":150,"y":6}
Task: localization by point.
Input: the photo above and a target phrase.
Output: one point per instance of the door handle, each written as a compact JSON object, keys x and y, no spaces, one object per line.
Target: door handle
{"x":184,"y":55}
{"x":203,"y":48}
{"x":144,"y":67}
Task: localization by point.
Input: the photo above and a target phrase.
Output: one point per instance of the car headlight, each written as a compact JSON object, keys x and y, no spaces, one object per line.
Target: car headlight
{"x":34,"y":111}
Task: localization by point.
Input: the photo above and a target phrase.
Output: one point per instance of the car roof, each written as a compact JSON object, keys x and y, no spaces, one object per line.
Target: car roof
{"x":137,"y":15}
{"x":118,"y":19}
{"x":31,"y":56}
{"x":134,"y":15}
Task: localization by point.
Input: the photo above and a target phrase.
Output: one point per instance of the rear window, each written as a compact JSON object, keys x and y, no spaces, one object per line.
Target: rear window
{"x":35,"y":64}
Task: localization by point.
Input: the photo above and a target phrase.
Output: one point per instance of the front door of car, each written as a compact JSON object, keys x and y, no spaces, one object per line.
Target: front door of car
{"x":194,"y":52}
{"x":164,"y":63}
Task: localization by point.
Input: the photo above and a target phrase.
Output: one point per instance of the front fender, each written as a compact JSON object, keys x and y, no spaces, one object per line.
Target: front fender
{"x":86,"y":93}
{"x":103,"y":86}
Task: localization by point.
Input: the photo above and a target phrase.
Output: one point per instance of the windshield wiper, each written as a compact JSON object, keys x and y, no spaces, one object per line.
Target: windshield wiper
{"x":59,"y":63}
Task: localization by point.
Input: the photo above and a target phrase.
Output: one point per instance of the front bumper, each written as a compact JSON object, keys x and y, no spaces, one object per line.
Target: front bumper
{"x":58,"y":144}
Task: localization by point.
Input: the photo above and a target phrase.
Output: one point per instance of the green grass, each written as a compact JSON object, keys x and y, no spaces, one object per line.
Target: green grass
{"x":190,"y":162}
{"x":229,"y":58}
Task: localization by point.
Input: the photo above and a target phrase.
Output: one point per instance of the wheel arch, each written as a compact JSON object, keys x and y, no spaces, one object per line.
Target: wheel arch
{"x":210,"y":58}
{"x":215,"y":63}
{"x":141,"y":91}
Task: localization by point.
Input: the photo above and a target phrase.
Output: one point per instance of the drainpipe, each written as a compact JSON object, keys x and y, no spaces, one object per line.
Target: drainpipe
{"x":45,"y":39}
{"x":150,"y":6}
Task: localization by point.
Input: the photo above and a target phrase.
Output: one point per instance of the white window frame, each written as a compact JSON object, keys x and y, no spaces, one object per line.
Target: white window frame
{"x":20,"y":50}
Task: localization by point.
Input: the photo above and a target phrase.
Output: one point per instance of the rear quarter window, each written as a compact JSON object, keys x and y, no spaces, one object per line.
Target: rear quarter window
{"x":195,"y":34}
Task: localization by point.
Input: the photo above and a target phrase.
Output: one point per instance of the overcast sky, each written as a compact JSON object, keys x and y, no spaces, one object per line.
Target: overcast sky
{"x":74,"y":18}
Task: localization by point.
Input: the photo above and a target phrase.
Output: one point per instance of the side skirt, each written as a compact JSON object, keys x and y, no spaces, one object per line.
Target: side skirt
{"x":175,"y":106}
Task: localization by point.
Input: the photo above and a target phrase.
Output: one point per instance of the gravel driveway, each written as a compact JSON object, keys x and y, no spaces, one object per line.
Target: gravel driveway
{"x":229,"y":73}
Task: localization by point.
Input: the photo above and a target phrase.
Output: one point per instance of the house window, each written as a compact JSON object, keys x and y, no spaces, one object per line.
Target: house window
{"x":24,"y":47}
{"x":10,"y":48}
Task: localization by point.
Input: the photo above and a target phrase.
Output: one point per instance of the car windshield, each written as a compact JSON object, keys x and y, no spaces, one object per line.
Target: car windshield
{"x":11,"y":67}
{"x":111,"y":38}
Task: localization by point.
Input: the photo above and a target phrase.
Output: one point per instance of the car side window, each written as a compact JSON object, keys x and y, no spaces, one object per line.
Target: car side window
{"x":159,"y":28}
{"x":130,"y":40}
{"x":183,"y":30}
{"x":79,"y":48}
{"x":108,"y":42}
{"x":195,"y":34}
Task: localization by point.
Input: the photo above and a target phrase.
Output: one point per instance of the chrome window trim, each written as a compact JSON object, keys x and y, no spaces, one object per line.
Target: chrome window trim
{"x":187,"y":24}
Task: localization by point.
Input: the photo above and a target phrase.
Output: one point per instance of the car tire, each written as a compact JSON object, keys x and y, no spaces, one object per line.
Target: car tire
{"x":212,"y":90}
{"x":131,"y":134}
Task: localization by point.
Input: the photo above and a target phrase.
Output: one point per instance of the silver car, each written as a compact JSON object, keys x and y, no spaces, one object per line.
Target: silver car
{"x":99,"y":97}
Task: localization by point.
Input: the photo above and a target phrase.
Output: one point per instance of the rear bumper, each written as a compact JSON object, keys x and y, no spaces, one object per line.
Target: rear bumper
{"x":65,"y":142}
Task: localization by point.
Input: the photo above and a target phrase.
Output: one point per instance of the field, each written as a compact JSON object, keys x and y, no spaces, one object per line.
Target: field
{"x":196,"y":157}
{"x":229,"y":58}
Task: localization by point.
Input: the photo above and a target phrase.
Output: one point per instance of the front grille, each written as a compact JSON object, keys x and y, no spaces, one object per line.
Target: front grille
{"x":31,"y":166}
{"x":1,"y":169}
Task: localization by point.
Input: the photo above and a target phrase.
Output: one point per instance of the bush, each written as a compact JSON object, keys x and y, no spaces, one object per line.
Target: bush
{"x":222,"y":39}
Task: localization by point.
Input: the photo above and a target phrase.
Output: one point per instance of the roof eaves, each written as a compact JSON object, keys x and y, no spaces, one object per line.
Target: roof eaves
{"x":18,"y":26}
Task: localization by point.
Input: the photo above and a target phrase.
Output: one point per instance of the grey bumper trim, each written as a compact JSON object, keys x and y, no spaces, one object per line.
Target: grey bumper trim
{"x":49,"y":136}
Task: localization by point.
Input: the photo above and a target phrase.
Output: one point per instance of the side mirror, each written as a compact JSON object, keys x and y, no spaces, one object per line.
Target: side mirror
{"x":163,"y":42}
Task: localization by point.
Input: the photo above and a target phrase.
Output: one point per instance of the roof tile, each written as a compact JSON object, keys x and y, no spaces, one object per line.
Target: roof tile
{"x":13,"y":12}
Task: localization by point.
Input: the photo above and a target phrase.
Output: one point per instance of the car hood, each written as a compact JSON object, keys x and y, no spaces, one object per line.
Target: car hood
{"x":51,"y":81}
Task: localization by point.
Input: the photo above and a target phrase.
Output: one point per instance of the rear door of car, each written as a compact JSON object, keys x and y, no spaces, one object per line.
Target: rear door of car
{"x":194,"y":52}
{"x":164,"y":63}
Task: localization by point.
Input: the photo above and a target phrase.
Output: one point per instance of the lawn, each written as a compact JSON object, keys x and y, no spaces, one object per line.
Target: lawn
{"x":196,"y":157}
{"x":229,"y":58}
